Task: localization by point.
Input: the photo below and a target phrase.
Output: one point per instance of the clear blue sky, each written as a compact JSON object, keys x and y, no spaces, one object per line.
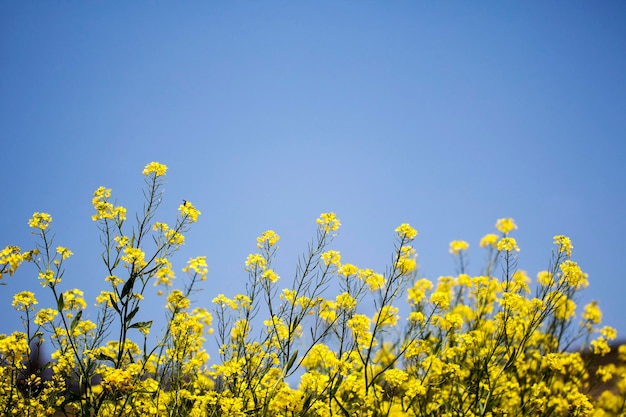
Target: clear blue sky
{"x":445,"y":115}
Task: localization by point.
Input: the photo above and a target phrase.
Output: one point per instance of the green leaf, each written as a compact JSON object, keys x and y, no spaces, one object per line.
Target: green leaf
{"x":76,"y":320}
{"x":141,"y":325}
{"x":132,"y":314}
{"x":114,"y":304}
{"x":291,"y":361}
{"x":60,"y":302}
{"x":128,"y":286}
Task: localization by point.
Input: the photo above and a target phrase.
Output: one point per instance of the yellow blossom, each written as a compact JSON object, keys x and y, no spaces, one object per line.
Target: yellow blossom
{"x":347,"y":269}
{"x":505,"y":225}
{"x":406,"y":262}
{"x":255,"y":261}
{"x":24,"y":300}
{"x":134,"y":257}
{"x":395,"y":377}
{"x":456,"y":246}
{"x":197,"y":265}
{"x":40,"y":221}
{"x":268,"y":237}
{"x":45,"y":315}
{"x":189,"y":211}
{"x":270,"y":275}
{"x":64,"y":252}
{"x":345,"y":301}
{"x":572,"y":274}
{"x":406,"y":232}
{"x":564,"y":243}
{"x":331,"y":257}
{"x":490,"y":239}
{"x":177,"y":301}
{"x":592,"y":313}
{"x":374,"y":281}
{"x":328,"y":222}
{"x":48,"y":278}
{"x":440,"y":299}
{"x":387,"y":316}
{"x":508,"y":244}
{"x":156,"y":168}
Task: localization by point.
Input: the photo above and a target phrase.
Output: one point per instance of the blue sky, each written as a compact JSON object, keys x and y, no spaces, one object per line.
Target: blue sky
{"x":445,"y":115}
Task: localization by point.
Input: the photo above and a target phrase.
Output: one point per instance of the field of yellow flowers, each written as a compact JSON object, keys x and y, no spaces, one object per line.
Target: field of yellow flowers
{"x":497,"y":344}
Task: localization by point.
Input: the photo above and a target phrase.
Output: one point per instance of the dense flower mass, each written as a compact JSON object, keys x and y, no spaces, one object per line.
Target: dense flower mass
{"x":338,"y":339}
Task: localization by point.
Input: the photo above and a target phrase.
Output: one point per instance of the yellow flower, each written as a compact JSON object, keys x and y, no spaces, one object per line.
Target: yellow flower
{"x":406,"y":232}
{"x":24,"y":300}
{"x":74,"y":300}
{"x":11,"y":256}
{"x":177,"y":301}
{"x":255,"y":261}
{"x":268,"y":237}
{"x":345,"y":301}
{"x":490,"y":239}
{"x":545,"y":278}
{"x":189,"y":211}
{"x":331,"y":257}
{"x":456,"y":246}
{"x":197,"y":265}
{"x":223,"y":301}
{"x":417,"y":293}
{"x":156,"y":168}
{"x":134,"y":257}
{"x":406,"y":262}
{"x":572,"y":274}
{"x":117,"y":380}
{"x":395,"y":377}
{"x":508,"y":244}
{"x":121,"y":241}
{"x":40,"y":221}
{"x":505,"y":225}
{"x":327,"y":311}
{"x":347,"y":269}
{"x":440,"y":299}
{"x":45,"y":315}
{"x":387,"y":316}
{"x":565,"y":244}
{"x":64,"y":252}
{"x":270,"y":275}
{"x":328,"y":222}
{"x":374,"y":281}
{"x":592,"y":313}
{"x":48,"y":278}
{"x":164,"y":274}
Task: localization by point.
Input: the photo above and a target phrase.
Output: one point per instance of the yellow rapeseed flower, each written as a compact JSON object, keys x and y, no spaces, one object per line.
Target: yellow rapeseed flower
{"x":255,"y":261}
{"x":490,"y":239}
{"x":40,"y":221}
{"x":508,"y":244}
{"x":564,"y":243}
{"x":24,"y":300}
{"x":156,"y":168}
{"x":268,"y":237}
{"x":331,"y":257}
{"x":189,"y":211}
{"x":506,"y":225}
{"x":456,"y":246}
{"x":592,"y":313}
{"x":328,"y":222}
{"x":440,"y":299}
{"x":406,"y":232}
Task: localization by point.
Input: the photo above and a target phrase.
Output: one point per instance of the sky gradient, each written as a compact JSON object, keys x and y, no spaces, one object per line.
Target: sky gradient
{"x":444,"y":115}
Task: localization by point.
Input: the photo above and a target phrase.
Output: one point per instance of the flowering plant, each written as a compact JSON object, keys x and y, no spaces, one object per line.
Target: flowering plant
{"x":335,"y":340}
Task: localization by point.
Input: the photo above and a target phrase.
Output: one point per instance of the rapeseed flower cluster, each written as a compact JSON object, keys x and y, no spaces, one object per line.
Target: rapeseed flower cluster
{"x":335,"y":340}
